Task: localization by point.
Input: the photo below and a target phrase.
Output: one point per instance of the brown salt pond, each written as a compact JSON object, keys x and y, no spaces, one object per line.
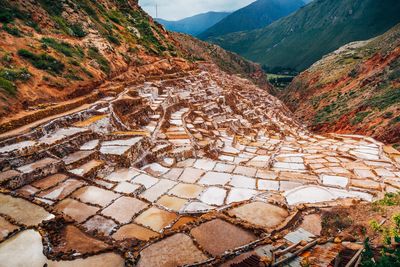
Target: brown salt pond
{"x":172,"y":203}
{"x":156,"y":219}
{"x":124,"y":208}
{"x":176,"y":250}
{"x":23,"y":211}
{"x":73,"y":239}
{"x":261,"y":214}
{"x":76,"y":210}
{"x":134,"y":231}
{"x":218,"y":236}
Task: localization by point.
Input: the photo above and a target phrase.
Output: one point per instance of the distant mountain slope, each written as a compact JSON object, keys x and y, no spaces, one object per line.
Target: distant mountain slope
{"x":256,"y":15}
{"x":355,"y":89}
{"x":300,"y":39}
{"x":231,"y":63}
{"x":194,"y":25}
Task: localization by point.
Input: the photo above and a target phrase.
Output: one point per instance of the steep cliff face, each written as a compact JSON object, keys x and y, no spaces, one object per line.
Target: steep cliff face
{"x":53,"y":51}
{"x":355,"y":89}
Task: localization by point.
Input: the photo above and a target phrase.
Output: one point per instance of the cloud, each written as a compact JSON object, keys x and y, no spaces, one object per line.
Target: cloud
{"x":178,"y":9}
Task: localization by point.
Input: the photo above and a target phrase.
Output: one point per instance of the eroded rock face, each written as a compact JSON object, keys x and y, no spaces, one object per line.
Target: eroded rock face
{"x":211,"y":171}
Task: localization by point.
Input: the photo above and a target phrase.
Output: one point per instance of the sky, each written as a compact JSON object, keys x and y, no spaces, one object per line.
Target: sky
{"x":179,"y":9}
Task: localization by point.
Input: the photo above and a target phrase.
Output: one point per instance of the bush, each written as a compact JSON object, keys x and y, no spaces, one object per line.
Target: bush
{"x":63,"y":47}
{"x":42,"y":61}
{"x":8,"y":86}
{"x":6,"y":15}
{"x":77,"y":30}
{"x":100,"y":59}
{"x":11,"y":30}
{"x":360,"y":116}
{"x":15,"y":74}
{"x":113,"y":39}
{"x":52,"y":7}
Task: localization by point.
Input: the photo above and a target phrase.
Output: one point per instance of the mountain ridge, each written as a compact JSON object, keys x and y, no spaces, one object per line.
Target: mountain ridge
{"x":256,"y":15}
{"x":300,"y":39}
{"x":194,"y":25}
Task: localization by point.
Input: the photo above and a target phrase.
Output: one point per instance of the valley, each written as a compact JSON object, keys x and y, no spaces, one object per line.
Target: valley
{"x":125,"y":144}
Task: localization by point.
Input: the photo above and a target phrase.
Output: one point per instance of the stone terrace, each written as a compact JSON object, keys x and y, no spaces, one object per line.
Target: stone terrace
{"x":204,"y":169}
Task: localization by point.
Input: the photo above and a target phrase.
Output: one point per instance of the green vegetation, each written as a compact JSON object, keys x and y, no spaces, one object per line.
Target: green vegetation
{"x":360,"y":116}
{"x":389,"y":200}
{"x":254,"y":16}
{"x":389,"y":255}
{"x":42,"y":61}
{"x":54,"y":8}
{"x":15,"y":74}
{"x":302,"y":38}
{"x":63,"y":47}
{"x":77,"y":30}
{"x":389,"y":98}
{"x":113,"y":39}
{"x":395,"y":120}
{"x":8,"y":86}
{"x":9,"y":13}
{"x":12,"y":30}
{"x":9,"y":76}
{"x":279,"y":80}
{"x":95,"y":54}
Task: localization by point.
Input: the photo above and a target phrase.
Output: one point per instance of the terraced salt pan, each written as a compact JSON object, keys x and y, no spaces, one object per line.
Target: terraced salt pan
{"x":90,"y":145}
{"x":15,"y":252}
{"x":60,"y":134}
{"x":145,"y":180}
{"x":23,"y":211}
{"x":213,"y":196}
{"x":334,"y":180}
{"x":121,"y":175}
{"x":243,"y":182}
{"x":154,"y":192}
{"x":240,"y":194}
{"x":17,"y":146}
{"x":215,"y":178}
{"x":317,"y":194}
{"x":127,"y":188}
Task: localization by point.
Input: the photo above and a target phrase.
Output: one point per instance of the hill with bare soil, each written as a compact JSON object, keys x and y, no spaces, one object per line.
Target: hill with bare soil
{"x":355,"y":89}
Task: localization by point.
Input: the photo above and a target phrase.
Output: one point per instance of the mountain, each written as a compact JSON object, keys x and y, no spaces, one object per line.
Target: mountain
{"x":302,"y":38}
{"x":254,"y":16}
{"x":355,"y":89}
{"x":194,"y":25}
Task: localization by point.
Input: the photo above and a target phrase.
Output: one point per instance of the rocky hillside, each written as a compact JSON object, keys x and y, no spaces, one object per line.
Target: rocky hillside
{"x":300,"y":39}
{"x":355,"y":89}
{"x":56,"y":50}
{"x":196,"y":24}
{"x":256,"y":15}
{"x":229,"y":62}
{"x":55,"y":55}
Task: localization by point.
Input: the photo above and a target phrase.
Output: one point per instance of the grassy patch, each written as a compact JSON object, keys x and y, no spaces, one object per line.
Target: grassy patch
{"x":360,"y":116}
{"x":54,"y":8}
{"x":42,"y":61}
{"x":389,"y":98}
{"x":113,"y":39}
{"x":15,"y":74}
{"x":78,"y":30}
{"x":100,"y":59}
{"x":11,"y":30}
{"x":8,"y":86}
{"x":63,"y":47}
{"x":395,"y":120}
{"x":390,"y":199}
